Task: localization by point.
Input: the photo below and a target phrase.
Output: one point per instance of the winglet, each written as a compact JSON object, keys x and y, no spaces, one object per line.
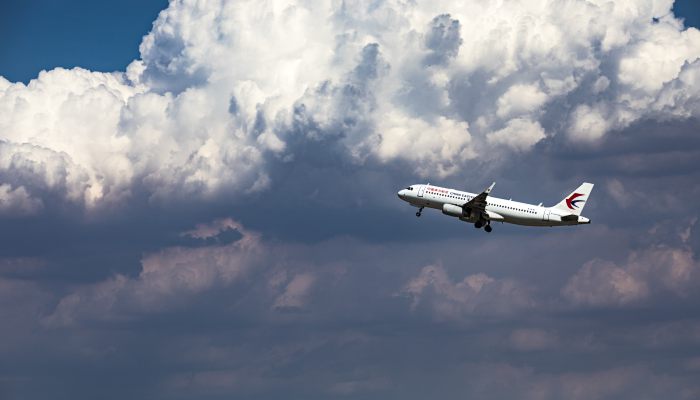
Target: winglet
{"x":488,"y":190}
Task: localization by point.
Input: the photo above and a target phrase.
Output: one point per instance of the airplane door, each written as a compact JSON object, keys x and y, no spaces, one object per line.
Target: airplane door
{"x":545,"y":215}
{"x":421,"y":189}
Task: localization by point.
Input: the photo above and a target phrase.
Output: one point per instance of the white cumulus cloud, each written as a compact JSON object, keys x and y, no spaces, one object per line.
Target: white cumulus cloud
{"x":222,"y":89}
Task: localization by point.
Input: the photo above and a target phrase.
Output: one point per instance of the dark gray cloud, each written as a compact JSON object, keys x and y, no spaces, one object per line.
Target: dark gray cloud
{"x":356,"y":329}
{"x":443,"y":39}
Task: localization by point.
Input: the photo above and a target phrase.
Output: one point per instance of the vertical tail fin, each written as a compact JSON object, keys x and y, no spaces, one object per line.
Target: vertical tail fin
{"x":574,"y":202}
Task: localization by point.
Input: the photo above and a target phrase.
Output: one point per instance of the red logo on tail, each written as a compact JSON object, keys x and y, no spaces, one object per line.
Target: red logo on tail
{"x":572,"y":203}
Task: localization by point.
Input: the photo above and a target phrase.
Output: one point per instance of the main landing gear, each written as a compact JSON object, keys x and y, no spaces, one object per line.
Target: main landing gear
{"x":486,"y":226}
{"x":419,"y":212}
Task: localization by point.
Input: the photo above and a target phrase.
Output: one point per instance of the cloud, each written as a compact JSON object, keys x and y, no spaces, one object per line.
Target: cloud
{"x":18,"y":202}
{"x":437,"y":147}
{"x":621,"y":195}
{"x":519,"y":100}
{"x":60,"y":135}
{"x":225,"y":92}
{"x":20,"y":302}
{"x":589,"y":123}
{"x":213,"y":229}
{"x":478,"y":293}
{"x":519,"y":134}
{"x":167,"y":278}
{"x":633,"y":381}
{"x":296,"y":292}
{"x":660,"y":270}
{"x":443,"y":40}
{"x":532,"y":339}
{"x":265,"y":318}
{"x":649,"y":64}
{"x":295,"y":118}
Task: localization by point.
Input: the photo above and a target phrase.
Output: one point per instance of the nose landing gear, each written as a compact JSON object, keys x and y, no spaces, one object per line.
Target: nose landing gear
{"x":419,"y":212}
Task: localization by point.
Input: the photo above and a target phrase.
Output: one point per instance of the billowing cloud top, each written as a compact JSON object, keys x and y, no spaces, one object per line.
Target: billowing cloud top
{"x":226,"y":90}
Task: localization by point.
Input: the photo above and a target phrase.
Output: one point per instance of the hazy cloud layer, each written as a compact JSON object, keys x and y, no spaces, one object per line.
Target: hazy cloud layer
{"x":660,"y":270}
{"x":265,"y":318}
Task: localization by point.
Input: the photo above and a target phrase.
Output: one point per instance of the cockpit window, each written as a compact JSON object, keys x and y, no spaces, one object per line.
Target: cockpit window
{"x":410,"y":188}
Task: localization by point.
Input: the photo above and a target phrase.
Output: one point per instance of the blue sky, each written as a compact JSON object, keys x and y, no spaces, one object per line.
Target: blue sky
{"x":689,"y":10}
{"x":215,"y":216}
{"x":97,"y":35}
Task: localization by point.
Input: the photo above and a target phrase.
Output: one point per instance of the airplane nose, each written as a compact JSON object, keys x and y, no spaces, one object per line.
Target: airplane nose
{"x":401,"y":193}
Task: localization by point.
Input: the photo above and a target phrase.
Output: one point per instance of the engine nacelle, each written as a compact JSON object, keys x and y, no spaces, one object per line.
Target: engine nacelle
{"x":453,"y":211}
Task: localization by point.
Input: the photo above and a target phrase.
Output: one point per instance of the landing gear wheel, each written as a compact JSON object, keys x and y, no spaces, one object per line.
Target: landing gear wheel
{"x":419,"y":212}
{"x":478,"y":224}
{"x":488,"y":228}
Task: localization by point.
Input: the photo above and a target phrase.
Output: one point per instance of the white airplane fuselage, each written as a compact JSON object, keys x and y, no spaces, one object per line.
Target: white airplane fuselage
{"x":451,"y":202}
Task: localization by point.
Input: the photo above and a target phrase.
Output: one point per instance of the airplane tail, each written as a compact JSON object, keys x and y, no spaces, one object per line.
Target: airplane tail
{"x":574,"y":202}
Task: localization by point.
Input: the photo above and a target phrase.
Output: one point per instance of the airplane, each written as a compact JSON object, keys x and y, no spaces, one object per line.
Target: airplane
{"x":482,"y":209}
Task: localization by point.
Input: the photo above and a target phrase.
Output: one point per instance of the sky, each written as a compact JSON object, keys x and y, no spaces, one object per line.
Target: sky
{"x":198,"y":199}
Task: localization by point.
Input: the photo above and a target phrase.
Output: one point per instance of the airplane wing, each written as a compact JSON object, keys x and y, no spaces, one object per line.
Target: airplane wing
{"x":478,"y":203}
